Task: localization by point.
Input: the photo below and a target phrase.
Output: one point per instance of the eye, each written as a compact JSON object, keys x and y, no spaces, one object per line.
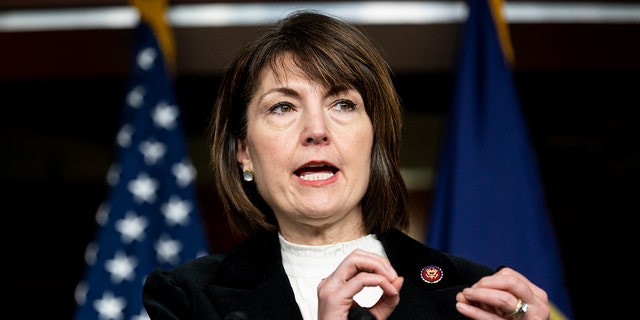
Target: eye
{"x":344,"y":105}
{"x":281,"y":107}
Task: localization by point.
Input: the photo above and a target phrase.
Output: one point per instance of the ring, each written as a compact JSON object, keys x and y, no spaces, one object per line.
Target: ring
{"x":521,"y":309}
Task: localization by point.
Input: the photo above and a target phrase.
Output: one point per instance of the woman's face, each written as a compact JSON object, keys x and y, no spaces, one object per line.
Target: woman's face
{"x":309,"y":149}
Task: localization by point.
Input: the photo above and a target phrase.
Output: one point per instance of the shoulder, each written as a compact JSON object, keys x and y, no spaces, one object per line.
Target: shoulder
{"x":470,"y":271}
{"x":191,"y":273}
{"x":173,"y":293}
{"x":250,"y":257}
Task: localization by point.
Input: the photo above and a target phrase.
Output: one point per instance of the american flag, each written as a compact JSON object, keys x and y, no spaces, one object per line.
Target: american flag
{"x":150,"y":218}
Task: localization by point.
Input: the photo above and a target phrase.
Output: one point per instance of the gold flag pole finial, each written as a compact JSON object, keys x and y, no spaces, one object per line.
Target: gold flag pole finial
{"x":153,"y":12}
{"x":497,"y":10}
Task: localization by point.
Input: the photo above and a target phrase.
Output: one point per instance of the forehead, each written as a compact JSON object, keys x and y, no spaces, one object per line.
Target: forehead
{"x":284,"y":73}
{"x":286,"y":67}
{"x":283,"y":68}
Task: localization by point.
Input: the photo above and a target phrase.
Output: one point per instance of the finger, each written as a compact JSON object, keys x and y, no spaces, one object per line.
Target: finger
{"x":461,"y":298}
{"x":499,"y":302}
{"x":508,"y":280}
{"x":502,"y":290}
{"x":499,"y":293}
{"x":390,"y":299}
{"x":357,"y":270}
{"x":363,"y":261}
{"x":372,"y":262}
{"x":349,"y":288}
{"x":474,"y":312}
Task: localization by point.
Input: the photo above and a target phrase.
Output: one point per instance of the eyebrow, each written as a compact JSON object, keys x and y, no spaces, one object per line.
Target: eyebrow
{"x":284,"y":90}
{"x":294,"y":93}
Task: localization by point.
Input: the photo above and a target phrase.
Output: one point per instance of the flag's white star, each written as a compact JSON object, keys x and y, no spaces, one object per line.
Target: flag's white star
{"x":143,"y":188}
{"x":91,"y":253}
{"x":121,"y":267}
{"x":123,"y":138}
{"x":110,"y":307}
{"x":131,"y":227}
{"x":146,"y":58}
{"x":184,"y":172}
{"x":113,"y":175}
{"x":165,"y":115}
{"x":141,"y":316}
{"x":201,"y":253}
{"x":135,"y":97}
{"x":176,"y":211}
{"x":152,"y":151}
{"x":102,"y":214}
{"x":167,"y":250}
{"x":80,"y":293}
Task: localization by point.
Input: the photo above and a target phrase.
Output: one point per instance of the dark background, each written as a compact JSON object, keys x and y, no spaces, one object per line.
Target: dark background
{"x":61,"y":93}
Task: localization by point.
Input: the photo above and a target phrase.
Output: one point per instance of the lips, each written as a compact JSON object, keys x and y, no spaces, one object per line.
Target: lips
{"x":316,"y":171}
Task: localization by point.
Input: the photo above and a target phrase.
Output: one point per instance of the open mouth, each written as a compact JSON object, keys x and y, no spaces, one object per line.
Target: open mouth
{"x":314,"y":172}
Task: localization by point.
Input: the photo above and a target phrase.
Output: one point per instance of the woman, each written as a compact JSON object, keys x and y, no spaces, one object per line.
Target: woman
{"x":305,"y":136}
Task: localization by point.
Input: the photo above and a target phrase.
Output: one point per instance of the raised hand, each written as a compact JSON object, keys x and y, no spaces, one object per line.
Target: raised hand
{"x":358,"y":270}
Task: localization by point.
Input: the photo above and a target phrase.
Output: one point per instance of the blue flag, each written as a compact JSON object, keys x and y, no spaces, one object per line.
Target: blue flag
{"x":150,"y":218}
{"x":489,"y":204}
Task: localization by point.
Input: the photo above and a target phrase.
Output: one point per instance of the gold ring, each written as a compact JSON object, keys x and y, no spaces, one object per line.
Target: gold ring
{"x":521,"y":309}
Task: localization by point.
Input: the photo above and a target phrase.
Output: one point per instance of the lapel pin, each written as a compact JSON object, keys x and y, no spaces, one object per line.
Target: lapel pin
{"x":431,"y":274}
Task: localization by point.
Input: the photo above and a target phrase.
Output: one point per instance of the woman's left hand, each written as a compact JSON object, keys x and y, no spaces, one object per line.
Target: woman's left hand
{"x":501,"y":296}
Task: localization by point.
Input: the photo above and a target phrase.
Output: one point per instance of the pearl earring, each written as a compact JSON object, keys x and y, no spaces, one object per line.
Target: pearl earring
{"x":247,"y":174}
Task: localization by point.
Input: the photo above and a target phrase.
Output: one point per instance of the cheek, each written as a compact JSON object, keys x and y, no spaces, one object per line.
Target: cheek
{"x":268,"y":151}
{"x":356,"y":146}
{"x":364,"y":153}
{"x":364,"y":141}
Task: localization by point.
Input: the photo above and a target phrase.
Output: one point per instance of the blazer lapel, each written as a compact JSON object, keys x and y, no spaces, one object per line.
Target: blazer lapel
{"x":252,"y":280}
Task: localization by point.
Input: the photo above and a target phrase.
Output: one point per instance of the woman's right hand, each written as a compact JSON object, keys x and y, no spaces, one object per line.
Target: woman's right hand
{"x":358,"y":270}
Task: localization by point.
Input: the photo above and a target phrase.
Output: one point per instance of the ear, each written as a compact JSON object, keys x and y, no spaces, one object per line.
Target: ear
{"x":242,"y":154}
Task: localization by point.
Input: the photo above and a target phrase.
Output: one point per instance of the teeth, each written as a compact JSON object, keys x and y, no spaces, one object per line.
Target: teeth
{"x":316,"y":176}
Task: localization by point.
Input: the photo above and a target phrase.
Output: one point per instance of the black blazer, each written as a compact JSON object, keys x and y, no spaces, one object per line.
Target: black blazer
{"x":250,"y":283}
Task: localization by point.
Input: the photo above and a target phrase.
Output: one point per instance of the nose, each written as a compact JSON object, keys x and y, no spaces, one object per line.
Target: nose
{"x":316,"y":140}
{"x":315,"y":129}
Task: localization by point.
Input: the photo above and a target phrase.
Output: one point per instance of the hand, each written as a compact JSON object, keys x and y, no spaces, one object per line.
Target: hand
{"x":496,"y":296}
{"x":357,"y":270}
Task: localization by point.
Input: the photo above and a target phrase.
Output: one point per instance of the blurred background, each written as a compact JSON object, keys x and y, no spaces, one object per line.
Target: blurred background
{"x":62,"y":86}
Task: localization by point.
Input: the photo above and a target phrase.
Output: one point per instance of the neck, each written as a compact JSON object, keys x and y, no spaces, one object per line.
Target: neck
{"x":312,"y":235}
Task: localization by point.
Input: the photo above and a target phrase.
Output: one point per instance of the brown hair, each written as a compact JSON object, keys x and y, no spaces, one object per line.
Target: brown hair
{"x":339,"y":56}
